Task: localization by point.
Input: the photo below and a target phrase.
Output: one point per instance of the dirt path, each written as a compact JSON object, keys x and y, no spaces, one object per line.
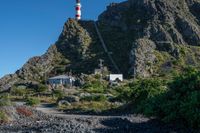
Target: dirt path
{"x":51,"y":109}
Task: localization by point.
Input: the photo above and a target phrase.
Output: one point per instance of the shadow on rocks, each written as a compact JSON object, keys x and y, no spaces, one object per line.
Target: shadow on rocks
{"x":119,"y":125}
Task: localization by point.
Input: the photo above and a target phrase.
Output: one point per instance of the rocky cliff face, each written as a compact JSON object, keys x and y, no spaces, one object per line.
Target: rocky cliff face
{"x":145,"y":37}
{"x":172,"y":26}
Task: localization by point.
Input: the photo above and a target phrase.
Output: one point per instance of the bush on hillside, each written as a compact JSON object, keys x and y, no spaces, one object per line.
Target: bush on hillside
{"x":95,"y":86}
{"x":3,"y":117}
{"x":122,"y":93}
{"x":18,"y":91}
{"x":180,"y":103}
{"x":41,"y":88}
{"x":5,"y":100}
{"x":32,"y":101}
{"x":140,"y":90}
{"x":58,"y":93}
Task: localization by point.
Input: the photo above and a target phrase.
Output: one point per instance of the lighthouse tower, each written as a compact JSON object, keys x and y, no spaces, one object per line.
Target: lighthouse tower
{"x":78,"y":9}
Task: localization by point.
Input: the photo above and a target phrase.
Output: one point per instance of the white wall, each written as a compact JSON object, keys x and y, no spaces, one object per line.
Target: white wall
{"x":113,"y":77}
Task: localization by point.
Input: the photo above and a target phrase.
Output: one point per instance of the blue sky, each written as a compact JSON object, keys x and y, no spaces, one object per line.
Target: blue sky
{"x":29,"y":27}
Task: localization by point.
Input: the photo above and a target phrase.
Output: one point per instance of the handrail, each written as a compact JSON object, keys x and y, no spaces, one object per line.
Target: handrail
{"x":105,"y":48}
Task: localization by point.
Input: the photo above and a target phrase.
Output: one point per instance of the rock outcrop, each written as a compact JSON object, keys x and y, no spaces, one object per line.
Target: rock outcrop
{"x":142,"y":36}
{"x":168,"y":24}
{"x":142,"y":57}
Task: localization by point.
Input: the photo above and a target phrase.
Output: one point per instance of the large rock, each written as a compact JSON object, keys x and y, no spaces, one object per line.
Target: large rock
{"x":161,"y":20}
{"x":68,"y":100}
{"x":142,"y":58}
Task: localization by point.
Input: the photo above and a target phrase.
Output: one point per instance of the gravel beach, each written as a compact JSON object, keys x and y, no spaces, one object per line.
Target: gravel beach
{"x":40,"y":122}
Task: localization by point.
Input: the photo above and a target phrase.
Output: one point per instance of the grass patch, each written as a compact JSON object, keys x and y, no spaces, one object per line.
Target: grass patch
{"x":5,"y":100}
{"x":3,"y":117}
{"x":44,"y":99}
{"x":97,"y":98}
{"x":32,"y":101}
{"x":92,"y":106}
{"x":94,"y":85}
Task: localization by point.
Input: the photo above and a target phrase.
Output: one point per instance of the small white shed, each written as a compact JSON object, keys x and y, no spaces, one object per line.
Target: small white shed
{"x":115,"y":77}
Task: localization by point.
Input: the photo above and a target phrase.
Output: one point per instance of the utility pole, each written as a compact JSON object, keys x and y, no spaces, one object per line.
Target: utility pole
{"x":101,"y":68}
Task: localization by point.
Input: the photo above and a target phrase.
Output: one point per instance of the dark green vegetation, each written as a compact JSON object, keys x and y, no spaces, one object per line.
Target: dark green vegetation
{"x":3,"y":117}
{"x":32,"y":89}
{"x":139,"y":90}
{"x":4,"y":101}
{"x":94,"y":85}
{"x":180,"y":102}
{"x":32,"y":101}
{"x":31,"y":94}
{"x":171,"y":100}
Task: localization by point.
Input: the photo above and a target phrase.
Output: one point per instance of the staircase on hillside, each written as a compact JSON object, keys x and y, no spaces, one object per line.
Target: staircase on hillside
{"x":106,"y":49}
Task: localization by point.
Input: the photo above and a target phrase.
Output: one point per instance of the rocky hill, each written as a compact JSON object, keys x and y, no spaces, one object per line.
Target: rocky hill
{"x":144,"y":37}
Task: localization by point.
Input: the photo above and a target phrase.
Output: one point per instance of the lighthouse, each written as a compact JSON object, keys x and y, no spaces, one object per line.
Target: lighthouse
{"x":78,"y":9}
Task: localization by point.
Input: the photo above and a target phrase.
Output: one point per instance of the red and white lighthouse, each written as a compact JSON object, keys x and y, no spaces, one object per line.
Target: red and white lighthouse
{"x":78,"y":9}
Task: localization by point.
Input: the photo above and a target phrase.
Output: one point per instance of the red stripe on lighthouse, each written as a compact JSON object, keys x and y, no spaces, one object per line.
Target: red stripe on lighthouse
{"x":78,"y":8}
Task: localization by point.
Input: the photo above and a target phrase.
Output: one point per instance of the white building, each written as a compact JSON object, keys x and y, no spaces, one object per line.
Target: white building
{"x":62,"y":80}
{"x":115,"y":77}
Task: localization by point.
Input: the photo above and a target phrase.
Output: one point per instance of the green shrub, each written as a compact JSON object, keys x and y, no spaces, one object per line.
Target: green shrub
{"x":64,"y":61}
{"x":60,"y":69}
{"x":5,"y":101}
{"x":18,"y":91}
{"x":58,"y":93}
{"x":123,"y":94}
{"x":41,"y":88}
{"x":32,"y":101}
{"x":95,"y":86}
{"x":140,"y":90}
{"x":97,"y":76}
{"x":3,"y":117}
{"x":180,"y":103}
{"x":184,"y":98}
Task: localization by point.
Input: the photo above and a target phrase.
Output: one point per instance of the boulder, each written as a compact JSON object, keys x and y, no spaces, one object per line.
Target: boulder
{"x":68,"y":100}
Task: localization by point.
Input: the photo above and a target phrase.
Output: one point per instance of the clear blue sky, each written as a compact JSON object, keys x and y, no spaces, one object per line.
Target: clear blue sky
{"x":29,"y":27}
